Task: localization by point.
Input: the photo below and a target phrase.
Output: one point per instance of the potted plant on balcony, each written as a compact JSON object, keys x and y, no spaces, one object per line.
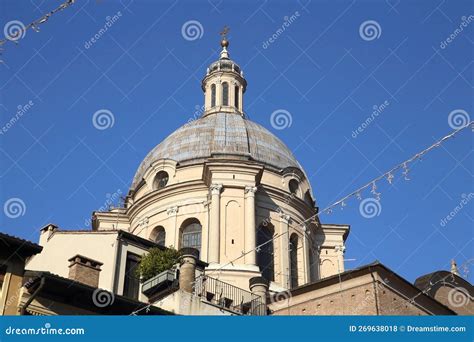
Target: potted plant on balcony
{"x":157,"y":269}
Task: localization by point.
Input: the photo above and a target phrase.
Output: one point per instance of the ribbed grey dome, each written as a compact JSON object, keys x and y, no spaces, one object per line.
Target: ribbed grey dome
{"x":220,"y":134}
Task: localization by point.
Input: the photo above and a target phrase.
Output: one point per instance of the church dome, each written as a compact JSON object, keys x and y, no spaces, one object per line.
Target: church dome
{"x":220,"y":135}
{"x":224,"y":130}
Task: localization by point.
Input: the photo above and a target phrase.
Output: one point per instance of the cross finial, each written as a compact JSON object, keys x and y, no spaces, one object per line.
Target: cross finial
{"x":224,"y":32}
{"x":224,"y":41}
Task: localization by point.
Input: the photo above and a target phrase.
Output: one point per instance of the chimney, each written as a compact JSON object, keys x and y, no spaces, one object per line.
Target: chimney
{"x":187,"y":268}
{"x":259,"y":286}
{"x":84,"y":270}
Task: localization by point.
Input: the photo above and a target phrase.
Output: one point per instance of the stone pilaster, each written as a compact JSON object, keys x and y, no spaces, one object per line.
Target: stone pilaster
{"x":172,"y":235}
{"x":214,"y":227}
{"x":306,"y":256}
{"x":285,"y":254}
{"x":250,"y":229}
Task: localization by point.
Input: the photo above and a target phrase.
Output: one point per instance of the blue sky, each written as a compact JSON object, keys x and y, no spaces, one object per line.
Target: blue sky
{"x":320,"y":70}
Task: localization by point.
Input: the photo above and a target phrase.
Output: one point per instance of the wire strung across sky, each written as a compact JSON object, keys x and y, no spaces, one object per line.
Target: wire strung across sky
{"x":389,"y":176}
{"x":15,"y":30}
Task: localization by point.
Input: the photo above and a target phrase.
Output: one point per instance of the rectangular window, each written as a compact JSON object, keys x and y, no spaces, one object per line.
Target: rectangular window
{"x":236,"y":97}
{"x":131,"y":284}
{"x":213,"y":95}
{"x":225,"y":94}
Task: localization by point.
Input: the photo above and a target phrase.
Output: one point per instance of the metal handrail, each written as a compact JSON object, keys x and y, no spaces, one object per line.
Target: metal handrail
{"x":228,"y":296}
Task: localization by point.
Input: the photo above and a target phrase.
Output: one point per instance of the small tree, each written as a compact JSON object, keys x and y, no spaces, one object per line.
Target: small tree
{"x":156,"y":261}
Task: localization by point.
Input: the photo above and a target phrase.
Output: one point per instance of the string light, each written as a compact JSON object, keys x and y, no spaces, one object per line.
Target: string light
{"x":357,"y":193}
{"x":390,"y":177}
{"x":374,"y":191}
{"x":405,"y":171}
{"x":20,"y":30}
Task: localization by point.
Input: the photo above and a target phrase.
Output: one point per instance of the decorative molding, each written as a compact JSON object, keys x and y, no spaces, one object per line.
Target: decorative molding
{"x":285,"y":218}
{"x":215,"y":189}
{"x":143,"y":222}
{"x":251,"y":189}
{"x":172,"y":210}
{"x":340,"y":248}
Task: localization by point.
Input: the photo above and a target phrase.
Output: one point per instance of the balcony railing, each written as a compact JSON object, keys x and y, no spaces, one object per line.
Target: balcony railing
{"x":228,"y":297}
{"x":159,"y":282}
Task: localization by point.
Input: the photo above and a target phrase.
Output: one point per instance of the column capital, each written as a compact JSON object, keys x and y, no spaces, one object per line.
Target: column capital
{"x":172,"y":210}
{"x":143,"y":221}
{"x":215,"y":189}
{"x":250,"y":189}
{"x":285,"y":218}
{"x":340,"y":248}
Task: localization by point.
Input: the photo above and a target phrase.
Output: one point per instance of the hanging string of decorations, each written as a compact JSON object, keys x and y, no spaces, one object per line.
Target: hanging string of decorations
{"x":389,"y":176}
{"x":16,"y":30}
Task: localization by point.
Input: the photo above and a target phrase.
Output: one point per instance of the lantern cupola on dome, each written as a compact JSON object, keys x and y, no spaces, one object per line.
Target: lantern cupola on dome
{"x":224,"y":84}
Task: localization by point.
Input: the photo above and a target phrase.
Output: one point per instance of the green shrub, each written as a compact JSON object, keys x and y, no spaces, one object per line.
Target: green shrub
{"x":157,"y":261}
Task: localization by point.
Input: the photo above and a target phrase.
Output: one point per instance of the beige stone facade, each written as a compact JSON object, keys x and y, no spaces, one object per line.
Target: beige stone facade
{"x":370,"y":290}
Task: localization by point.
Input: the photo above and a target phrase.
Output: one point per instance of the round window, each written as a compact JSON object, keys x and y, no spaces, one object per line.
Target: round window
{"x":293,"y":186}
{"x":161,"y":180}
